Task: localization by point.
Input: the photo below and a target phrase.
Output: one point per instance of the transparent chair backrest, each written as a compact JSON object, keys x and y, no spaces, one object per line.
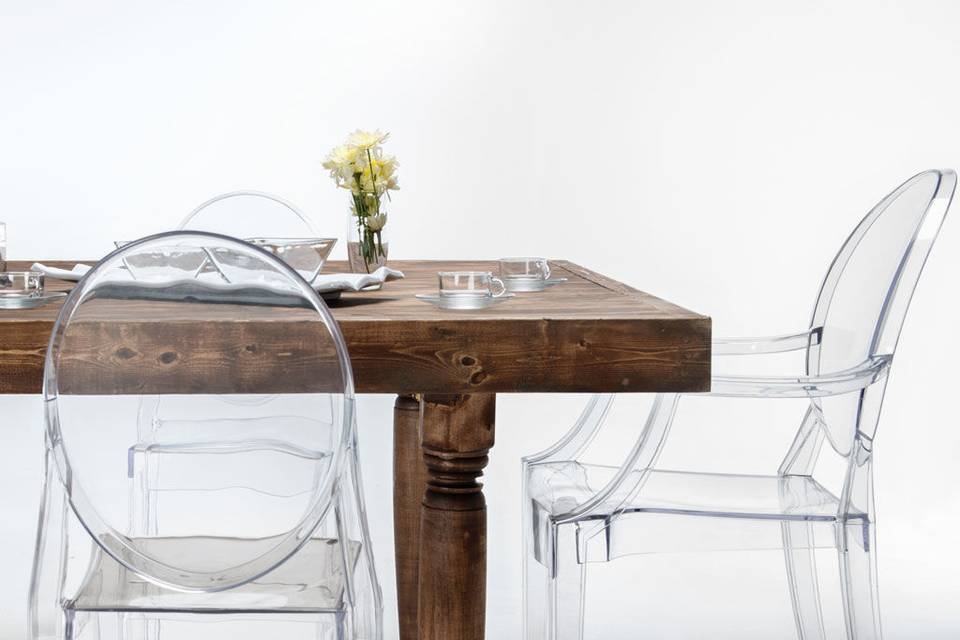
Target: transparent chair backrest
{"x":250,"y":214}
{"x":267,"y":340}
{"x":865,"y":295}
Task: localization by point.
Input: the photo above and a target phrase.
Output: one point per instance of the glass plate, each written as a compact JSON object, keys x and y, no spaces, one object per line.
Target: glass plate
{"x":531,"y":285}
{"x":444,"y":302}
{"x":30,"y":302}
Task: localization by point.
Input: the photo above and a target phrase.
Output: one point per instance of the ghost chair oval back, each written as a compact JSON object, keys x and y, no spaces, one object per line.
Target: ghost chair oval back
{"x":249,"y":214}
{"x":264,"y":519}
{"x":162,"y":434}
{"x":576,"y":513}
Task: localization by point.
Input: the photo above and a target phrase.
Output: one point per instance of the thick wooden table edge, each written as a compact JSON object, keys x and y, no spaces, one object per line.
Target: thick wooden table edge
{"x":665,"y":350}
{"x":644,"y":354}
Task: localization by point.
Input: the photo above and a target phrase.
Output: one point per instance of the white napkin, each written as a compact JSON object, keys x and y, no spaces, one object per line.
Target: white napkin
{"x":322,"y":283}
{"x":78,"y":271}
{"x":280,"y":292}
{"x":354,"y":281}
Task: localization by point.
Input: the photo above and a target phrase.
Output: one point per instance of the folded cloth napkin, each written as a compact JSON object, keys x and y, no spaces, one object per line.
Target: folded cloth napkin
{"x":282,"y":293}
{"x":78,"y":271}
{"x":324,"y":282}
{"x":354,"y":281}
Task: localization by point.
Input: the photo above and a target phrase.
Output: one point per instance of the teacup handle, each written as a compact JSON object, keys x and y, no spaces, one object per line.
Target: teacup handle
{"x":498,"y":282}
{"x":546,"y":270}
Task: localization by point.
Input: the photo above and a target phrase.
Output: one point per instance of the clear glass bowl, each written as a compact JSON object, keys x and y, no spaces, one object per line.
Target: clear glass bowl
{"x":20,"y":284}
{"x":148,"y":264}
{"x":305,"y":255}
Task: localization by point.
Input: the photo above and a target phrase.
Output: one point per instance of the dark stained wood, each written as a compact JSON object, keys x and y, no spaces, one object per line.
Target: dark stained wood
{"x":458,"y":432}
{"x":229,"y":357}
{"x":409,"y":483}
{"x":589,"y":334}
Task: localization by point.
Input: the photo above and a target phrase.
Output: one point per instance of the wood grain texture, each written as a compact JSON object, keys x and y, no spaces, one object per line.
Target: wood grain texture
{"x":409,"y":483}
{"x":458,"y":432}
{"x":590,"y":334}
{"x":110,"y":358}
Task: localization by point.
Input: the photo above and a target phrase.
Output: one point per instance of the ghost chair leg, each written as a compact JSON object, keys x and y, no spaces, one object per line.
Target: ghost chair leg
{"x":47,"y":617}
{"x":800,"y":556}
{"x":858,"y":581}
{"x":566,"y":587}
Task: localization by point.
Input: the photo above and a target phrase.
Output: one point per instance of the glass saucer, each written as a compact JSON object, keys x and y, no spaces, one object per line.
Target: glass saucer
{"x":528,"y":285}
{"x":30,"y":301}
{"x":468,"y":303}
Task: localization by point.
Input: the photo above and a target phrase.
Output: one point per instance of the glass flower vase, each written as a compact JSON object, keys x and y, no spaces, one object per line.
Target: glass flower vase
{"x":366,"y":250}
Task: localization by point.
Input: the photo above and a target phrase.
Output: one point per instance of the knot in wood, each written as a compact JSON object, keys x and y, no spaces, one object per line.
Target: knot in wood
{"x":478,"y":376}
{"x":125,"y":353}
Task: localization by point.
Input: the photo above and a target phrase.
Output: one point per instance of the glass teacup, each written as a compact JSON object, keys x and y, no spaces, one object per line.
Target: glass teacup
{"x":470,"y":285}
{"x":20,"y":284}
{"x":524,"y":274}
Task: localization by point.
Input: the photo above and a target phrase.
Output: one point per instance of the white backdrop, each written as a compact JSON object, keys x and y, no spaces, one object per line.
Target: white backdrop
{"x":715,"y":154}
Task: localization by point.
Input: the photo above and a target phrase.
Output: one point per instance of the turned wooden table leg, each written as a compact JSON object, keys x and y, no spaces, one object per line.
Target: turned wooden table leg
{"x":457,"y":434}
{"x":409,"y":483}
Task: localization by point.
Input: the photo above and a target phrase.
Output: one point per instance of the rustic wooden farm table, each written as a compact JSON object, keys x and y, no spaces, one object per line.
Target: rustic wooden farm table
{"x":590,"y":334}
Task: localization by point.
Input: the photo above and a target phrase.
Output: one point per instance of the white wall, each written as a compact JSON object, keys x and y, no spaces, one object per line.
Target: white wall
{"x":715,"y":154}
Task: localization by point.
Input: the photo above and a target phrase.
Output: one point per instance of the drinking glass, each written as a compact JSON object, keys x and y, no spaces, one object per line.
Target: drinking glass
{"x":3,"y":245}
{"x":470,"y":284}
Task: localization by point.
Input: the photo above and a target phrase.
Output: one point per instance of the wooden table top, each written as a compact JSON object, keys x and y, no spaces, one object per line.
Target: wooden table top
{"x":589,"y":334}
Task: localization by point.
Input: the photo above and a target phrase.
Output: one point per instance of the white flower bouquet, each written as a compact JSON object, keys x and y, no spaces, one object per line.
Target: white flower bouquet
{"x":361,"y":166}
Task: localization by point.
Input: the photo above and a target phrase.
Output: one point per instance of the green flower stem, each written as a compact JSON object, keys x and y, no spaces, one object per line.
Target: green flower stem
{"x":370,"y":242}
{"x":373,"y":179}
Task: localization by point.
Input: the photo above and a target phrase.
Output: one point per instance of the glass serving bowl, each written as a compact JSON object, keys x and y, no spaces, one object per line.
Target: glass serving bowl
{"x":158,"y":262}
{"x":305,"y":255}
{"x":20,"y":284}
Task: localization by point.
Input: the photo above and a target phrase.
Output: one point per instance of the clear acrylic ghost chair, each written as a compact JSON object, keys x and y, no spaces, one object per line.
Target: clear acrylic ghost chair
{"x":264,"y":532}
{"x":162,"y":435}
{"x":250,"y":214}
{"x":577,"y":513}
